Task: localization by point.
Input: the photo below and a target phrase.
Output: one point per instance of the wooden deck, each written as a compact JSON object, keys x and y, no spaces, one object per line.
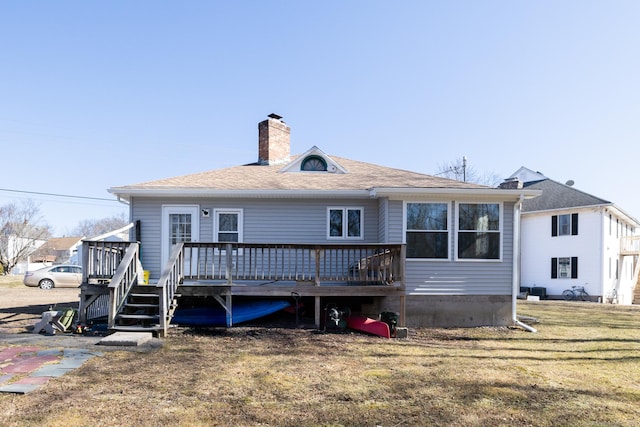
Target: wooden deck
{"x":112,"y":273}
{"x":282,"y":288}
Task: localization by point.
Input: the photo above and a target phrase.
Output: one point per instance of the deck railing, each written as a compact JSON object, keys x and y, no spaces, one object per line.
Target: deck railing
{"x":630,"y":245}
{"x":171,"y":277}
{"x":365,"y":264}
{"x":125,"y":277}
{"x":101,"y":259}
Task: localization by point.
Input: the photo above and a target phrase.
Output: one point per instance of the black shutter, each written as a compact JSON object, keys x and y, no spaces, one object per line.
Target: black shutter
{"x":574,"y":224}
{"x":554,"y":268}
{"x":574,"y":267}
{"x":554,"y":225}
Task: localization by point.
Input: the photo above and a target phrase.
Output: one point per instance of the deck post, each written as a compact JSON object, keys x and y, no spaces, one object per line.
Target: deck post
{"x":403,"y":307}
{"x":318,"y":309}
{"x":403,"y":303}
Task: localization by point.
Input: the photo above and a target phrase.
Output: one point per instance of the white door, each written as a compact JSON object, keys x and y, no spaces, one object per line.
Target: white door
{"x":180,"y":223}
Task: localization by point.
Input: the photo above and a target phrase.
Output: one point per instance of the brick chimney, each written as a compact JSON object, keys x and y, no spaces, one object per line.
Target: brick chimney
{"x":511,"y":184}
{"x":273,"y":141}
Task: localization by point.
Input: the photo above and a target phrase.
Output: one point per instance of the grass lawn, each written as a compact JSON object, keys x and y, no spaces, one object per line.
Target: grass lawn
{"x":581,"y":369}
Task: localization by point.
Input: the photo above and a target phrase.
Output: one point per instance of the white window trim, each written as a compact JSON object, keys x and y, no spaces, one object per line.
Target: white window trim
{"x":450,"y":230}
{"x":457,"y":231}
{"x":345,"y":231}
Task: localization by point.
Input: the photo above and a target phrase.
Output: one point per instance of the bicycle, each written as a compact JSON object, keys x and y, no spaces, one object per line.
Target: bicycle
{"x":576,"y":292}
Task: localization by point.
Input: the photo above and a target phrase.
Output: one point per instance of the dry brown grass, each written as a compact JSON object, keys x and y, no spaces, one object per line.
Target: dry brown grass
{"x":580,"y":369}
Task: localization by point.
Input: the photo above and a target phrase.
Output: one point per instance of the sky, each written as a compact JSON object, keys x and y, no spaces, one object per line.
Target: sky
{"x":97,"y":94}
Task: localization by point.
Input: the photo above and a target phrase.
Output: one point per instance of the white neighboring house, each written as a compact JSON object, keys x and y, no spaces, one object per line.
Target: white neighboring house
{"x":20,"y":242}
{"x":571,"y":238}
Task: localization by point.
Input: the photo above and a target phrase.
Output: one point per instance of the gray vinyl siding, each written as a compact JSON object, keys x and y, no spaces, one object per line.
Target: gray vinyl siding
{"x":150,"y":215}
{"x":305,"y":221}
{"x":430,"y":277}
{"x":395,"y":218}
{"x":383,"y":206}
{"x":265,"y":221}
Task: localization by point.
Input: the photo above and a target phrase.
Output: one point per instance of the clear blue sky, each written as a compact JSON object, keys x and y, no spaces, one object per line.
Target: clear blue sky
{"x":97,"y":94}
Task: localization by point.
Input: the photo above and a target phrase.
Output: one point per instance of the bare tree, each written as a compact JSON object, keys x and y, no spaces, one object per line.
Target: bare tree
{"x":461,"y":170}
{"x":94,"y":227}
{"x":21,"y":227}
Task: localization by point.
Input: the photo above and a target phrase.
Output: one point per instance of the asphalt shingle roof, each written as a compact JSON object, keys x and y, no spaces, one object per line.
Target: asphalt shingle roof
{"x":558,"y":196}
{"x":360,"y":176}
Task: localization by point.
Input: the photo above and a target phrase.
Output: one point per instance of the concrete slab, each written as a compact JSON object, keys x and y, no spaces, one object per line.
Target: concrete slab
{"x":71,"y":363}
{"x":50,"y":371}
{"x":402,"y":332}
{"x":19,"y":388}
{"x":79,"y":353}
{"x":126,"y":339}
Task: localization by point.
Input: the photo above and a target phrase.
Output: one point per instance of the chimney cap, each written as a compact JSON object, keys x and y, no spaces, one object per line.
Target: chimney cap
{"x":274,"y":116}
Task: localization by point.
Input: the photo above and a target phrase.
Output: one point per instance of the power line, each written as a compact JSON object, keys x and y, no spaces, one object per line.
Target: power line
{"x":60,"y":195}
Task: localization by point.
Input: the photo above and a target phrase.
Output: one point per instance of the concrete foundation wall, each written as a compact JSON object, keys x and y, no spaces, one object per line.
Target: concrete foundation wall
{"x":449,"y":310}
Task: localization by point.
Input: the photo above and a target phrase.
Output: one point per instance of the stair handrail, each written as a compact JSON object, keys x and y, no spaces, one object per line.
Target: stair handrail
{"x":125,"y":277}
{"x":171,"y":277}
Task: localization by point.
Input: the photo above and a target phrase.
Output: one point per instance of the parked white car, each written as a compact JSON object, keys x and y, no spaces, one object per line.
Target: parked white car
{"x":67,"y":276}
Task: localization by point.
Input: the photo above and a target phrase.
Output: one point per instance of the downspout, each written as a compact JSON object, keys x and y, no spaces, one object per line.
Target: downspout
{"x":517,"y":208}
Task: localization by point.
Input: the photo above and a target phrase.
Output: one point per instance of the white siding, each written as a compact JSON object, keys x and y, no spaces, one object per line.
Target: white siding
{"x":538,"y":247}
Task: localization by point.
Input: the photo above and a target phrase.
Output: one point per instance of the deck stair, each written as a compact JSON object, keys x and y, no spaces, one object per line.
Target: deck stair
{"x":140,"y":313}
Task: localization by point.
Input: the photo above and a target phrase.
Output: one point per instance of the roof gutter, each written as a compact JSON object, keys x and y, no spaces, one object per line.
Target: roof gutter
{"x":497,"y":193}
{"x":125,"y":194}
{"x":517,"y":209}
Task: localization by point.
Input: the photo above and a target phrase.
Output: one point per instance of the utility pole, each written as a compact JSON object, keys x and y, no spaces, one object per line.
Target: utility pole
{"x":464,"y":168}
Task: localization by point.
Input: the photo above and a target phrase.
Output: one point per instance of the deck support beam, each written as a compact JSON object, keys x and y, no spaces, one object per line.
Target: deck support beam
{"x":227,"y":305}
{"x":317,"y":312}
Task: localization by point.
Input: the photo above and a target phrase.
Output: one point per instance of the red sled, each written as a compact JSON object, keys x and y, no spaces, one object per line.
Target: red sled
{"x":370,"y":326}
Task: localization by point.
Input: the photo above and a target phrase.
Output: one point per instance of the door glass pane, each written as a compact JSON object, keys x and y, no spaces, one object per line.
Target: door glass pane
{"x":180,"y":228}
